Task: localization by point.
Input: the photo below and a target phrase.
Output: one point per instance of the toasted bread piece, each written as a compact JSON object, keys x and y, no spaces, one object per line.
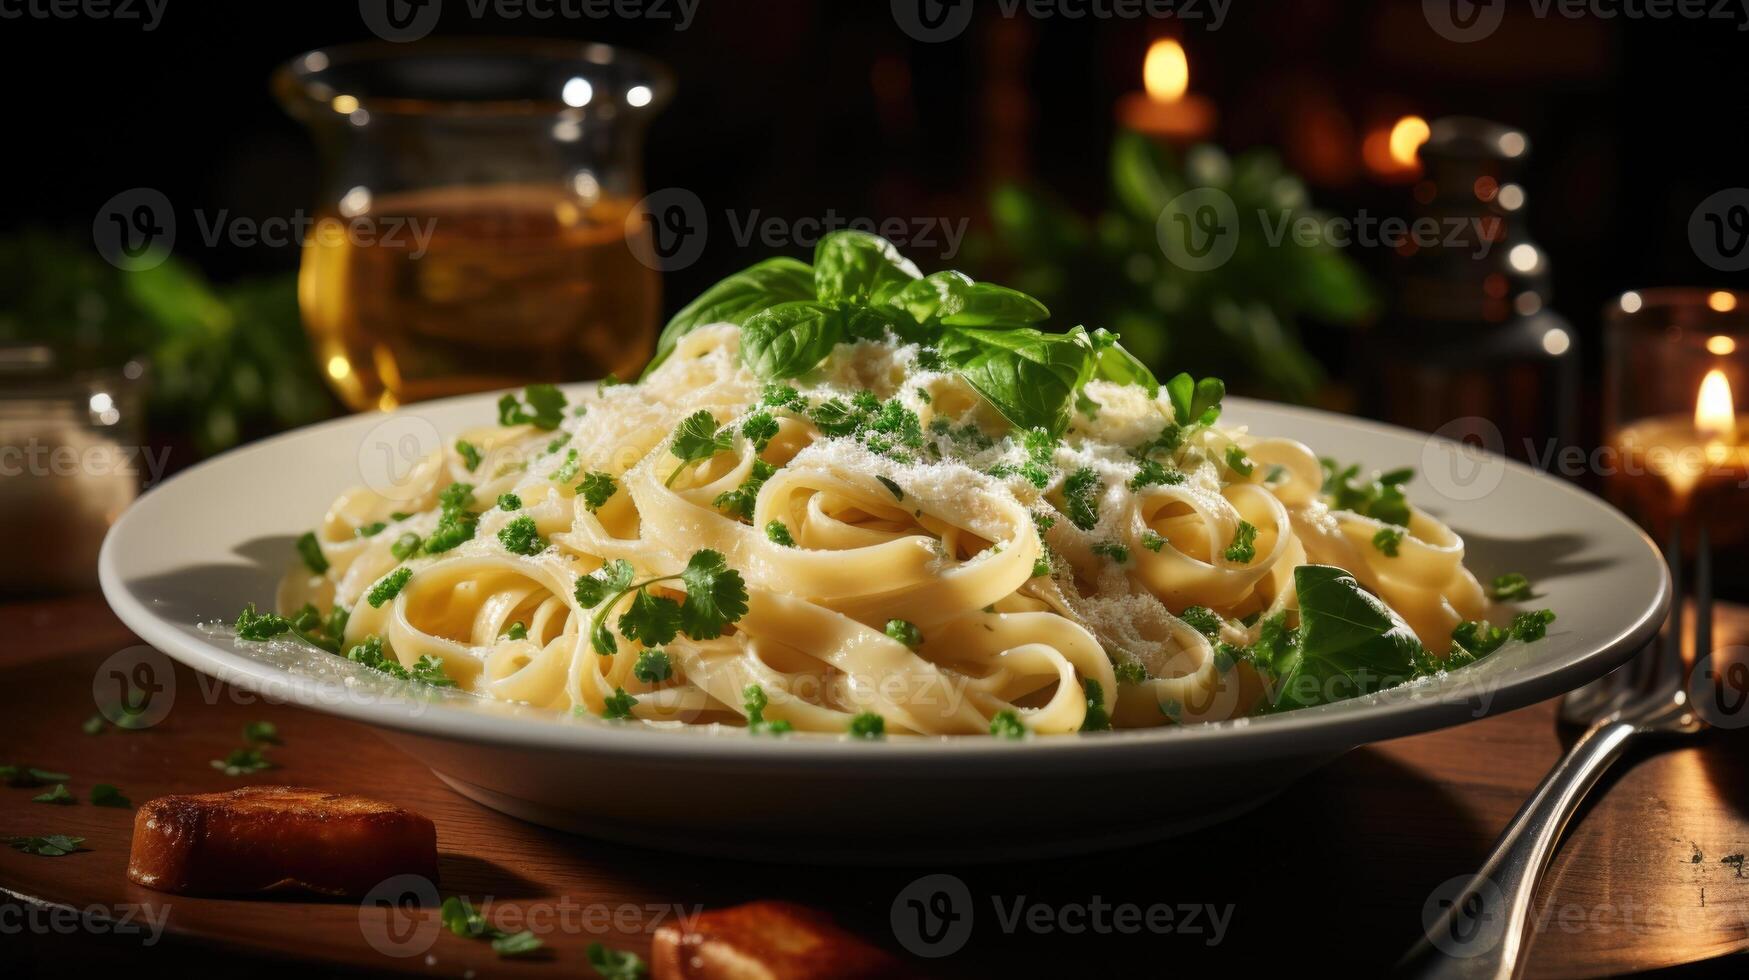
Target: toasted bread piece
{"x":274,"y":838}
{"x":766,"y":941}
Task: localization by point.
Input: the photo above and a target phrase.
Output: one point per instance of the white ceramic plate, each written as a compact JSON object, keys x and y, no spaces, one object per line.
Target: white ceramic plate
{"x":195,"y":549}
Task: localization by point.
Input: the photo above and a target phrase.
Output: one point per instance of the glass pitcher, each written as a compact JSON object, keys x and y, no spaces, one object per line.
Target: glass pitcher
{"x":479,"y":224}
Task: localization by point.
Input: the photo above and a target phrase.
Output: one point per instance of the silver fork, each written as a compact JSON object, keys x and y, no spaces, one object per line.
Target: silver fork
{"x":1481,"y":930}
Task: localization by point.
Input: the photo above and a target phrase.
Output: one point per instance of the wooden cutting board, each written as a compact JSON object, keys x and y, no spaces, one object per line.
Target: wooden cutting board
{"x":1334,"y":872}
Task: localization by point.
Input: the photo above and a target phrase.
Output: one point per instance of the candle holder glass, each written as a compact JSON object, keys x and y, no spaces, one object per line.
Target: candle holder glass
{"x":1676,"y":368}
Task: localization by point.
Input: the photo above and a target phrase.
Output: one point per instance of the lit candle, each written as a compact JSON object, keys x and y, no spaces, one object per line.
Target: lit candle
{"x":1167,"y":110}
{"x":1393,"y":153}
{"x":1689,"y":465}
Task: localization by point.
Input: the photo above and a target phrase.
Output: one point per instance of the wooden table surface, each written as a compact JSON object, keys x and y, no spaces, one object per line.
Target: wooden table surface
{"x":1334,"y":872}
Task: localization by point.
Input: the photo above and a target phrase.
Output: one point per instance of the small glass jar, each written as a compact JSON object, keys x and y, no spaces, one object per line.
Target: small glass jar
{"x":71,"y":460}
{"x":480,"y":223}
{"x":1676,"y":367}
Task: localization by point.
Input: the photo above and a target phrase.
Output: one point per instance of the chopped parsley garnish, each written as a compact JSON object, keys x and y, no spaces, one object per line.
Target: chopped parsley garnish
{"x":519,"y":537}
{"x":613,"y":964}
{"x":868,"y":725}
{"x":760,"y":428}
{"x":459,"y":917}
{"x":618,"y":705}
{"x":567,"y":470}
{"x":370,"y":654}
{"x":597,"y":489}
{"x":1478,"y":638}
{"x":835,"y":418}
{"x":1097,"y":720}
{"x":715,"y":597}
{"x":1152,"y":473}
{"x":265,"y":732}
{"x":1238,"y":462}
{"x":24,"y":776}
{"x":369,"y":530}
{"x":1152,"y":540}
{"x":1195,"y":402}
{"x":782,"y":396}
{"x":1111,"y":549}
{"x":652,"y":667}
{"x":265,"y":626}
{"x":509,"y":501}
{"x":696,"y":440}
{"x":104,"y":794}
{"x":740,"y":501}
{"x":57,"y":796}
{"x":243,"y":762}
{"x":892,"y":488}
{"x":406,"y":546}
{"x":310,"y":550}
{"x":470,"y":454}
{"x":456,"y":523}
{"x":545,"y":408}
{"x":54,"y":845}
{"x":429,"y":670}
{"x":1202,"y":619}
{"x":1510,"y":587}
{"x":517,"y":631}
{"x":389,"y":587}
{"x":1381,"y":497}
{"x":1387,"y":539}
{"x":93,"y":725}
{"x":905,"y":632}
{"x":1081,"y":495}
{"x":778,"y":533}
{"x":1244,"y":546}
{"x":1130,"y":672}
{"x":1529,"y":626}
{"x":753,"y":700}
{"x":1006,"y":724}
{"x":557,"y":443}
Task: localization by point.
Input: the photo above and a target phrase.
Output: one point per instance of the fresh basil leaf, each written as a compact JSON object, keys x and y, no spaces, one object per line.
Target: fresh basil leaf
{"x":851,"y":266}
{"x":1030,"y":377}
{"x":736,"y":298}
{"x":930,"y":298}
{"x":791,"y":339}
{"x":1349,"y":642}
{"x":1112,"y":363}
{"x":986,"y":305}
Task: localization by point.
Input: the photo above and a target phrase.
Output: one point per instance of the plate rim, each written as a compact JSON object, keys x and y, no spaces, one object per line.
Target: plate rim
{"x":1335,"y":727}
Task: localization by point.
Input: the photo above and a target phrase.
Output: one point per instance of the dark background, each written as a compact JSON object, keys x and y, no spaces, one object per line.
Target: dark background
{"x":1632,"y":122}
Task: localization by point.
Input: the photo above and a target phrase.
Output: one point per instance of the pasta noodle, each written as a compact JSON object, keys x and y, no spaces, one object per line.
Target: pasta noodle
{"x":1048,"y":583}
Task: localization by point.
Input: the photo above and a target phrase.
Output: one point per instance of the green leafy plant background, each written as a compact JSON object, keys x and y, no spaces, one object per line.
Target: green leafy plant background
{"x":1240,"y":321}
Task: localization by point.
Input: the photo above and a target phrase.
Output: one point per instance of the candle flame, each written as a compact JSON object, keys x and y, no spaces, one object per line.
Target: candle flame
{"x":1406,"y":139}
{"x":1166,"y":72}
{"x":1715,"y":413}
